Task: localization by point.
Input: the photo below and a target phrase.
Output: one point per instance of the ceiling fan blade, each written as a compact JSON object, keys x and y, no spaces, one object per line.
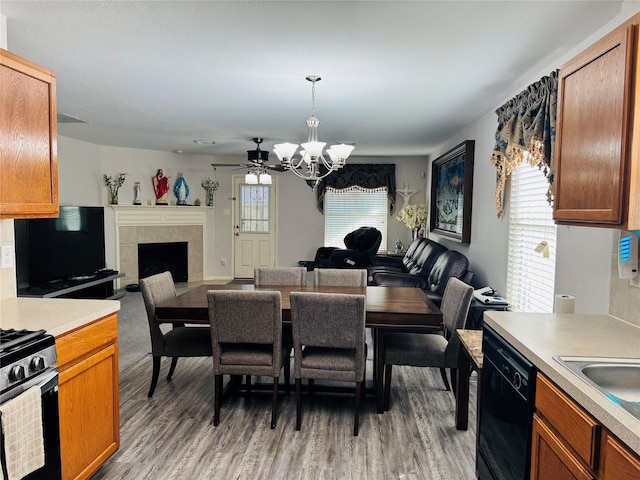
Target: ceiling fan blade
{"x":230,"y":165}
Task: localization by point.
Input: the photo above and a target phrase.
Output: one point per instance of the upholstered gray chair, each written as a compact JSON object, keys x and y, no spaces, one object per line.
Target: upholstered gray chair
{"x":246,"y":338}
{"x":280,"y":276}
{"x":431,"y":350}
{"x":328,"y":342}
{"x":339,"y":277}
{"x":181,"y":341}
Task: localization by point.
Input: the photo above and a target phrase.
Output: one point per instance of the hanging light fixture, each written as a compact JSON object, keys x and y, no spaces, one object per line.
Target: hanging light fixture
{"x":307,"y":166}
{"x":258,"y":173}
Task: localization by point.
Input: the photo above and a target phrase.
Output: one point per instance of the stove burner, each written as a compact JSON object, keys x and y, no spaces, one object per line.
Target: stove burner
{"x":13,"y":338}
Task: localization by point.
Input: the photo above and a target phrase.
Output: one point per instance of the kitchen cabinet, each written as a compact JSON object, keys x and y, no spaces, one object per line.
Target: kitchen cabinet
{"x":28,"y":139}
{"x":597,"y":157}
{"x":88,"y":397}
{"x":569,"y":444}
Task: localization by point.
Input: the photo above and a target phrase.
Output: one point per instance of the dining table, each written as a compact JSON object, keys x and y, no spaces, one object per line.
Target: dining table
{"x":388,"y":309}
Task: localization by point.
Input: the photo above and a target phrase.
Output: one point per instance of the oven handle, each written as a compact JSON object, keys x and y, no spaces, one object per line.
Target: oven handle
{"x":47,"y":381}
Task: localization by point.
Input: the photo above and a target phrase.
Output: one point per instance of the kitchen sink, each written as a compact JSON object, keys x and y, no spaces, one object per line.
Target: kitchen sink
{"x":618,"y":379}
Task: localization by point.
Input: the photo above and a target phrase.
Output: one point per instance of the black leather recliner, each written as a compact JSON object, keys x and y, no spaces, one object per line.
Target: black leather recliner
{"x":361,"y":244}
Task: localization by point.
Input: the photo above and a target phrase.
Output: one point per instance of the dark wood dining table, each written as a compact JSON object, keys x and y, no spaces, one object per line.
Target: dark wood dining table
{"x":388,"y":309}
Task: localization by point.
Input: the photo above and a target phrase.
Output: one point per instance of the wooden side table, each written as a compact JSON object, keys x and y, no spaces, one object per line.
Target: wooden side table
{"x":469,"y":359}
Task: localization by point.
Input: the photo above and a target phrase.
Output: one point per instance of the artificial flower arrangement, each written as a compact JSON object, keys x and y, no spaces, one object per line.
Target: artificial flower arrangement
{"x":413,"y":216}
{"x":210,"y":186}
{"x":114,"y":185}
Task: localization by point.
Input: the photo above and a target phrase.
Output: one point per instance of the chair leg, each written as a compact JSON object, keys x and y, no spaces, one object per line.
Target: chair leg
{"x":387,"y":385}
{"x":298,"y":403}
{"x":154,"y":375}
{"x":274,"y":403}
{"x":174,"y":362}
{"x":217,"y":400}
{"x":356,"y":420}
{"x":443,"y":372}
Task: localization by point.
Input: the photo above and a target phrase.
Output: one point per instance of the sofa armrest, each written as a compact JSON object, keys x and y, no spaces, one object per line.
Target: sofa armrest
{"x":399,"y":280}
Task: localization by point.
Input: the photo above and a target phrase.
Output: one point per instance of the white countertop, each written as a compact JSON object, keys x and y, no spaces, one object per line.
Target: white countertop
{"x":55,"y":315}
{"x":541,"y":336}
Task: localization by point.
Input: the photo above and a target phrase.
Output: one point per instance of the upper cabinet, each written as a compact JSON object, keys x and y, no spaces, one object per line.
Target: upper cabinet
{"x":28,"y":139}
{"x":597,"y":158}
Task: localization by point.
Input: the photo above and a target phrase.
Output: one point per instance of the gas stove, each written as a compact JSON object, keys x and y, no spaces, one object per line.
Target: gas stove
{"x":24,"y":354}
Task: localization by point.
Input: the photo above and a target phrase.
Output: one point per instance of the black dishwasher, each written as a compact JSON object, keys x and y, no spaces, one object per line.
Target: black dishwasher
{"x":506,"y":411}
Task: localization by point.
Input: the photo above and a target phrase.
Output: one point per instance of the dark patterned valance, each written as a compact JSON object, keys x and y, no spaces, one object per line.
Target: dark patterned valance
{"x":365,"y":175}
{"x":527,"y":132}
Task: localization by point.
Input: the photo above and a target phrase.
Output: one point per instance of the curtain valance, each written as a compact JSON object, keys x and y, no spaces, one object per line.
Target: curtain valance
{"x":365,"y":175}
{"x":527,"y":132}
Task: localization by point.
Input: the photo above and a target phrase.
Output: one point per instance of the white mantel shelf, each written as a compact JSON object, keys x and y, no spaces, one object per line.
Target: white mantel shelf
{"x":159,"y":215}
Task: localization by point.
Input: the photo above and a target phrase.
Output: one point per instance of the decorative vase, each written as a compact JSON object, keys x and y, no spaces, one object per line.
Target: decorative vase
{"x":414,"y":233}
{"x":210,"y":198}
{"x":114,"y":198}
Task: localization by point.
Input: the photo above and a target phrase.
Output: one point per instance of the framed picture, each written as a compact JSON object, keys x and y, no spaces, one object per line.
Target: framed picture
{"x":451,"y":193}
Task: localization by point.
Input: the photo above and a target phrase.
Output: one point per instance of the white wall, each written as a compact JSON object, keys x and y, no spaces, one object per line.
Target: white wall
{"x":300,"y":224}
{"x":583,"y":260}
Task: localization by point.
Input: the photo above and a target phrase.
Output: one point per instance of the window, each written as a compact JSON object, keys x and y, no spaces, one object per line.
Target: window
{"x":530,"y":273}
{"x":254,"y":209}
{"x":351,"y":208}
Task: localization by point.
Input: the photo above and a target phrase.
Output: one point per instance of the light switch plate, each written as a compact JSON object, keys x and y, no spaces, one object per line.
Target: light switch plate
{"x":7,"y":256}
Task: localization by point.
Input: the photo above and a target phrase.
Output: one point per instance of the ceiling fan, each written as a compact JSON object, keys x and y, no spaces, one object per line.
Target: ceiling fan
{"x":257,"y":159}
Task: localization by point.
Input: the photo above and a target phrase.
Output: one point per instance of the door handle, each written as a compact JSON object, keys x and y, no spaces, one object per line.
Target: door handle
{"x":237,"y":234}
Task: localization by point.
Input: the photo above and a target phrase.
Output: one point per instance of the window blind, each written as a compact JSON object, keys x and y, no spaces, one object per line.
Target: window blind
{"x":530,"y":275}
{"x":347,"y":209}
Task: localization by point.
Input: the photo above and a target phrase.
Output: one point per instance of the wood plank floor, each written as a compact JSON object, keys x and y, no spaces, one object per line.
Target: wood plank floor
{"x":171,"y":436}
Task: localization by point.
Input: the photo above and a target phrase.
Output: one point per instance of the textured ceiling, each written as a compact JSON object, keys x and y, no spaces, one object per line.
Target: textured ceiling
{"x":398,"y":77}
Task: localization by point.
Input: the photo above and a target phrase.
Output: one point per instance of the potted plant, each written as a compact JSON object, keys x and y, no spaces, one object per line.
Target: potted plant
{"x":414,"y":217}
{"x":114,"y":185}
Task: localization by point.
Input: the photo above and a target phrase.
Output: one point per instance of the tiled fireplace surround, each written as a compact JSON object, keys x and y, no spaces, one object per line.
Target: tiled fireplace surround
{"x":143,"y":224}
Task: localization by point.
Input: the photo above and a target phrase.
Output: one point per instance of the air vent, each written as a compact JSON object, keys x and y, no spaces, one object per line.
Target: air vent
{"x":62,"y":118}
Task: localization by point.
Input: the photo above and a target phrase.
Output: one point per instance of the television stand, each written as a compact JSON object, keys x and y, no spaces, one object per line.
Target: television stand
{"x":99,"y":286}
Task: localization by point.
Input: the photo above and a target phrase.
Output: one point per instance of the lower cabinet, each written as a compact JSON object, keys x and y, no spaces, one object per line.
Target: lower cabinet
{"x":88,"y":396}
{"x":569,"y":444}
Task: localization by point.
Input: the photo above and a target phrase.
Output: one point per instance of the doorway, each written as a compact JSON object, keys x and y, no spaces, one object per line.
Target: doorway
{"x":254,"y":226}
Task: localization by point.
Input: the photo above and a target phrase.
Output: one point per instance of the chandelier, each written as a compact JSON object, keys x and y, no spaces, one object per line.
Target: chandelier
{"x":311,"y":158}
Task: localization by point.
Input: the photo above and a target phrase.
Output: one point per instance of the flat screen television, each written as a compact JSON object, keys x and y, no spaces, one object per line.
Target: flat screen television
{"x":70,"y":247}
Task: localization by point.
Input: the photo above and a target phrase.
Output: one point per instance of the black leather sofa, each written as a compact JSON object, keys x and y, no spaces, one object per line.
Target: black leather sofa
{"x":427,"y":265}
{"x":361,"y":244}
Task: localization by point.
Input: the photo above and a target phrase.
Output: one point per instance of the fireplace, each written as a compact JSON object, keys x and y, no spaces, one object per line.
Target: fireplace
{"x":161,"y":257}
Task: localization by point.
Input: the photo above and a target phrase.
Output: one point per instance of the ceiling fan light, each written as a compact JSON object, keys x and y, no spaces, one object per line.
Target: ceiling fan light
{"x":285,"y":151}
{"x":265,"y":179}
{"x":251,"y":179}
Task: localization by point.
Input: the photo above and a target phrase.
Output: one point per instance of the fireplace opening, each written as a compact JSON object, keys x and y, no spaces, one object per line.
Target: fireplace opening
{"x":161,"y":257}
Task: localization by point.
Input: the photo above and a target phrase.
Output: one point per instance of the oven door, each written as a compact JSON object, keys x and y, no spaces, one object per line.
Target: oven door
{"x":504,"y":436}
{"x":48,"y":383}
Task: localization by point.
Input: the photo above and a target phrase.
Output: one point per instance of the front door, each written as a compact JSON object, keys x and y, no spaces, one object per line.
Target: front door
{"x":253,"y":226}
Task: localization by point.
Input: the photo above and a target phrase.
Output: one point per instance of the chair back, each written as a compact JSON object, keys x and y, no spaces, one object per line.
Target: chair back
{"x":328,"y":320}
{"x":245,"y":317}
{"x":455,"y":307}
{"x":340,"y":277}
{"x":280,"y":276}
{"x":156,"y":289}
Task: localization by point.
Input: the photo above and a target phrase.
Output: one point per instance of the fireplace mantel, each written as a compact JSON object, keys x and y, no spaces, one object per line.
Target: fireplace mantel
{"x":159,"y":215}
{"x":136,"y":224}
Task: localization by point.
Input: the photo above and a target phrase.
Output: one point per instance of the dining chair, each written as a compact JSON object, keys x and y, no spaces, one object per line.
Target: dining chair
{"x":181,"y":340}
{"x":438,"y":350}
{"x":297,"y":276}
{"x":328,"y":342}
{"x":246,"y":338}
{"x":280,"y":276}
{"x":340,"y":277}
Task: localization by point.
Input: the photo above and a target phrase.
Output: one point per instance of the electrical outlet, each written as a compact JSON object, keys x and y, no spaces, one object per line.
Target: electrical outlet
{"x":7,"y":256}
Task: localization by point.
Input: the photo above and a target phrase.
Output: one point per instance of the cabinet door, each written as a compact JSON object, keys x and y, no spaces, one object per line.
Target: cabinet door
{"x":28,"y":139}
{"x":618,"y":462}
{"x":89,"y":413}
{"x":594,"y":133}
{"x":551,"y":459}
